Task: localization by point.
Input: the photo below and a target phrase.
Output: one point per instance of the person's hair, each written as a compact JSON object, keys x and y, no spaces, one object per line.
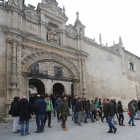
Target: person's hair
{"x":119,"y":103}
{"x":16,"y":99}
{"x":99,"y":99}
{"x":107,"y":99}
{"x":42,"y":97}
{"x":58,"y":97}
{"x":63,"y":97}
{"x":79,"y":98}
{"x":75,"y":95}
{"x":96,"y":99}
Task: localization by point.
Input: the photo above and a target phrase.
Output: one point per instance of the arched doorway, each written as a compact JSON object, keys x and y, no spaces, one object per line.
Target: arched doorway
{"x":58,"y":89}
{"x":38,"y":84}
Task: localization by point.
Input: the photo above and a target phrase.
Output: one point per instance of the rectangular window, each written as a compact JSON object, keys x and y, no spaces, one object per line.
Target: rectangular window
{"x":58,"y":72}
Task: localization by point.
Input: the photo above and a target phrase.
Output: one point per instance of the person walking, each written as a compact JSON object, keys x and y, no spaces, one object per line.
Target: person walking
{"x":136,"y":110}
{"x":139,"y":107}
{"x":110,"y":113}
{"x":114,"y":110}
{"x":88,"y":111}
{"x":73,"y":107}
{"x":15,"y":114}
{"x":120,"y":112}
{"x":40,"y":110}
{"x":100,"y":104}
{"x":104,"y":110}
{"x":83,"y":110}
{"x":56,"y":108}
{"x":93,"y":109}
{"x":132,"y":112}
{"x":25,"y":110}
{"x":78,"y":109}
{"x":63,"y":111}
{"x":49,"y":109}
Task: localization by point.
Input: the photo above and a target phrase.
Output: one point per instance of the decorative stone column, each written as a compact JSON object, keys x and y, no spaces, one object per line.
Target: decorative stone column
{"x":84,"y":78}
{"x":13,"y":87}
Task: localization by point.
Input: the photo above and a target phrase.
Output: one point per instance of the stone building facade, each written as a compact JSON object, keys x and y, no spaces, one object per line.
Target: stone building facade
{"x":38,"y":48}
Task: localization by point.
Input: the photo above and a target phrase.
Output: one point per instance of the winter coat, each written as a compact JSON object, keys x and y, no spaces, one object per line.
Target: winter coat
{"x":109,"y":110}
{"x":83,"y":105}
{"x":132,"y":110}
{"x":88,"y":107}
{"x":14,"y":109}
{"x":74,"y":102}
{"x":100,"y":104}
{"x":139,"y":105}
{"x":120,"y":109}
{"x":40,"y":107}
{"x":136,"y":106}
{"x":63,"y":108}
{"x":93,"y":107}
{"x":78,"y":107}
{"x":25,"y":109}
{"x":32,"y":100}
{"x":97,"y":103}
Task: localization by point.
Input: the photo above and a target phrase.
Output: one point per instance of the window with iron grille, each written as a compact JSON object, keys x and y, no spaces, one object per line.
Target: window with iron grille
{"x":35,"y":69}
{"x":131,"y":66}
{"x":58,"y":72}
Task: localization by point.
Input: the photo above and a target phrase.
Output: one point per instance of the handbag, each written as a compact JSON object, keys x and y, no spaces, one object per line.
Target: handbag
{"x":128,"y":112}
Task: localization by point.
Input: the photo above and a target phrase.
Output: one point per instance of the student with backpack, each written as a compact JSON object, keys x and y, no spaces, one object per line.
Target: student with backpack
{"x":49,"y":109}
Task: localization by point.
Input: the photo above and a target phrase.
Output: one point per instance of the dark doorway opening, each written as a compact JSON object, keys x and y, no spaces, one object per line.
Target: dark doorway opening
{"x":38,"y":84}
{"x":58,"y":89}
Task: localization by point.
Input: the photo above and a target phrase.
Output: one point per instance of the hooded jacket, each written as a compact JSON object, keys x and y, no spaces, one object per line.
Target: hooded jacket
{"x":14,"y":111}
{"x":63,"y":108}
{"x":132,"y":110}
{"x":25,"y":109}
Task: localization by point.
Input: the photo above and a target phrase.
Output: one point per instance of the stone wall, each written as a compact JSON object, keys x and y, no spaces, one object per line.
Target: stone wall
{"x":3,"y":63}
{"x":105,"y":78}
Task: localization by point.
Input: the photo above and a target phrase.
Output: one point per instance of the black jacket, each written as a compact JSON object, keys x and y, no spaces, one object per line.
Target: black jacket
{"x":120,"y":109}
{"x":14,"y":111}
{"x":78,"y":106}
{"x":25,"y":109}
{"x":109,"y":111}
{"x":139,"y":105}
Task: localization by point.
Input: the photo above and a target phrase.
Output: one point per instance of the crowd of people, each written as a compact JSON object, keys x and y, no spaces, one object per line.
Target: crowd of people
{"x":43,"y":106}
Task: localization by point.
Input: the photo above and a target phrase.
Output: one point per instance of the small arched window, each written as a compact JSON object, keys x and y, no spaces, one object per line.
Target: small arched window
{"x":131,"y":66}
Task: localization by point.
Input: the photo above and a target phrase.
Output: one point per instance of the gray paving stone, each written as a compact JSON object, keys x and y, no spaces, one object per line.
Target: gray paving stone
{"x":97,"y":131}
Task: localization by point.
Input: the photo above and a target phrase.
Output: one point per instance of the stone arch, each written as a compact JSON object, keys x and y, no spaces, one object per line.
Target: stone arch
{"x":47,"y":56}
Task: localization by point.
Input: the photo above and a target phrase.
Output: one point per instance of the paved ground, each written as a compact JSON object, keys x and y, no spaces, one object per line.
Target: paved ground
{"x":96,"y":131}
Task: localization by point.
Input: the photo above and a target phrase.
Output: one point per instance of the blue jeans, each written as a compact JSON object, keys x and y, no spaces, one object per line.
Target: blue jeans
{"x":26,"y":128}
{"x":74,"y":116}
{"x":111,"y":125}
{"x":132,"y":119}
{"x":88,"y":114}
{"x":41,"y":117}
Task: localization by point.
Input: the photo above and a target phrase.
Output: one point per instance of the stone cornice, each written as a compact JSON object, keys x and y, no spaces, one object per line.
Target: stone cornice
{"x":36,"y":39}
{"x":9,"y":7}
{"x":100,"y":47}
{"x":131,"y":54}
